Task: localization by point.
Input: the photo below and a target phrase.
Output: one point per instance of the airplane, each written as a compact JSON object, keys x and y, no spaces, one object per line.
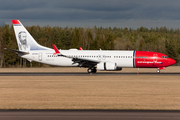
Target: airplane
{"x":102,"y":60}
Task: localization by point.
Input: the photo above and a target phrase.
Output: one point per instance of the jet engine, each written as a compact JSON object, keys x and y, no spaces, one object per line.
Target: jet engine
{"x":109,"y":66}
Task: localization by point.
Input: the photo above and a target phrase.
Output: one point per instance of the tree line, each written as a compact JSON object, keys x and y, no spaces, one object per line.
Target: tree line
{"x":161,"y":40}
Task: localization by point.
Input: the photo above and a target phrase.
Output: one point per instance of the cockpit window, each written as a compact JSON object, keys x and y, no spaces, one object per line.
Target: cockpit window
{"x":165,"y":57}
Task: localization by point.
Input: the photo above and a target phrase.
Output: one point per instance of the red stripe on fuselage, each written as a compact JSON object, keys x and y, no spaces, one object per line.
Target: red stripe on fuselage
{"x":147,"y":59}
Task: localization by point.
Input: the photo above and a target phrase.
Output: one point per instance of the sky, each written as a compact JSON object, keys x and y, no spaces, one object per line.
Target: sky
{"x":90,"y":13}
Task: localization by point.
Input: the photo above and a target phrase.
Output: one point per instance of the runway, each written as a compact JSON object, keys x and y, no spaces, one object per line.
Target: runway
{"x":88,"y":115}
{"x":79,"y":74}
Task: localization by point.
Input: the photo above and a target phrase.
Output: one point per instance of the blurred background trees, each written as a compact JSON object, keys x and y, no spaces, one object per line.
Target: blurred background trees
{"x":161,"y":40}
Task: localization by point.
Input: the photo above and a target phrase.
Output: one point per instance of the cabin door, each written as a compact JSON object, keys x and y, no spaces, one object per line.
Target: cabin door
{"x":40,"y":56}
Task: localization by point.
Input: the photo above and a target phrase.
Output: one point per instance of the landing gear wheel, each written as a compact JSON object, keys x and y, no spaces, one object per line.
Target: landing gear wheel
{"x":91,"y":70}
{"x":158,"y":71}
{"x":94,"y":70}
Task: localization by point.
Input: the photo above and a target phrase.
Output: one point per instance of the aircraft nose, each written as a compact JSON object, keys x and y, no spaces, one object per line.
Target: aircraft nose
{"x":172,"y":61}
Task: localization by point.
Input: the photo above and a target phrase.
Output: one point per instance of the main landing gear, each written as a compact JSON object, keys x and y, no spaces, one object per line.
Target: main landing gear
{"x":92,"y":70}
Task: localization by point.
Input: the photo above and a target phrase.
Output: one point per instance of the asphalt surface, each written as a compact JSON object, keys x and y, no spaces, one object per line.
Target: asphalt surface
{"x":88,"y":115}
{"x":77,"y":74}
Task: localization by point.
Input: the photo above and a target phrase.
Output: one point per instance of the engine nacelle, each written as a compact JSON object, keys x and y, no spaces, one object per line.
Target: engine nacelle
{"x":109,"y":66}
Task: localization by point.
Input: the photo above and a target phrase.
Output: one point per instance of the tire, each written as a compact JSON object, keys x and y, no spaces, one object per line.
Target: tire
{"x":158,"y":71}
{"x":94,"y":70}
{"x":89,"y":70}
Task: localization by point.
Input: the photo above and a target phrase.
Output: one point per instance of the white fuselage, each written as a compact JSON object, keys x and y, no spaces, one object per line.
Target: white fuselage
{"x":121,"y":58}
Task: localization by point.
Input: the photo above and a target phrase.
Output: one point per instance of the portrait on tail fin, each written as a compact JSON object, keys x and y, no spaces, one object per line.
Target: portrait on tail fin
{"x":23,"y":46}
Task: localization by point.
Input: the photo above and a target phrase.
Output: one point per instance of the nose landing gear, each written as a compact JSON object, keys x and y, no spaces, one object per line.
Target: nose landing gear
{"x":160,"y":68}
{"x":158,"y":71}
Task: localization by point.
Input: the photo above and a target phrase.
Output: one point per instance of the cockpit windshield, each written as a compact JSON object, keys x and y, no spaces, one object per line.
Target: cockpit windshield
{"x":165,"y":57}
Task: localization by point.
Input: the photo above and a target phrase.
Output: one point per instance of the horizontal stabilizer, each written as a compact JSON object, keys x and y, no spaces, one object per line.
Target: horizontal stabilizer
{"x":17,"y":51}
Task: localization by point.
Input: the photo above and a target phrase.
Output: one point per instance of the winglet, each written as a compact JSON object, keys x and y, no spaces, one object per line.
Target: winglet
{"x":80,"y":48}
{"x":55,"y":49}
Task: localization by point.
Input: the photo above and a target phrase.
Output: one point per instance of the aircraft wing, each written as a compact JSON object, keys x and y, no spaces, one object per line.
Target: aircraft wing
{"x":83,"y":62}
{"x":17,"y":51}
